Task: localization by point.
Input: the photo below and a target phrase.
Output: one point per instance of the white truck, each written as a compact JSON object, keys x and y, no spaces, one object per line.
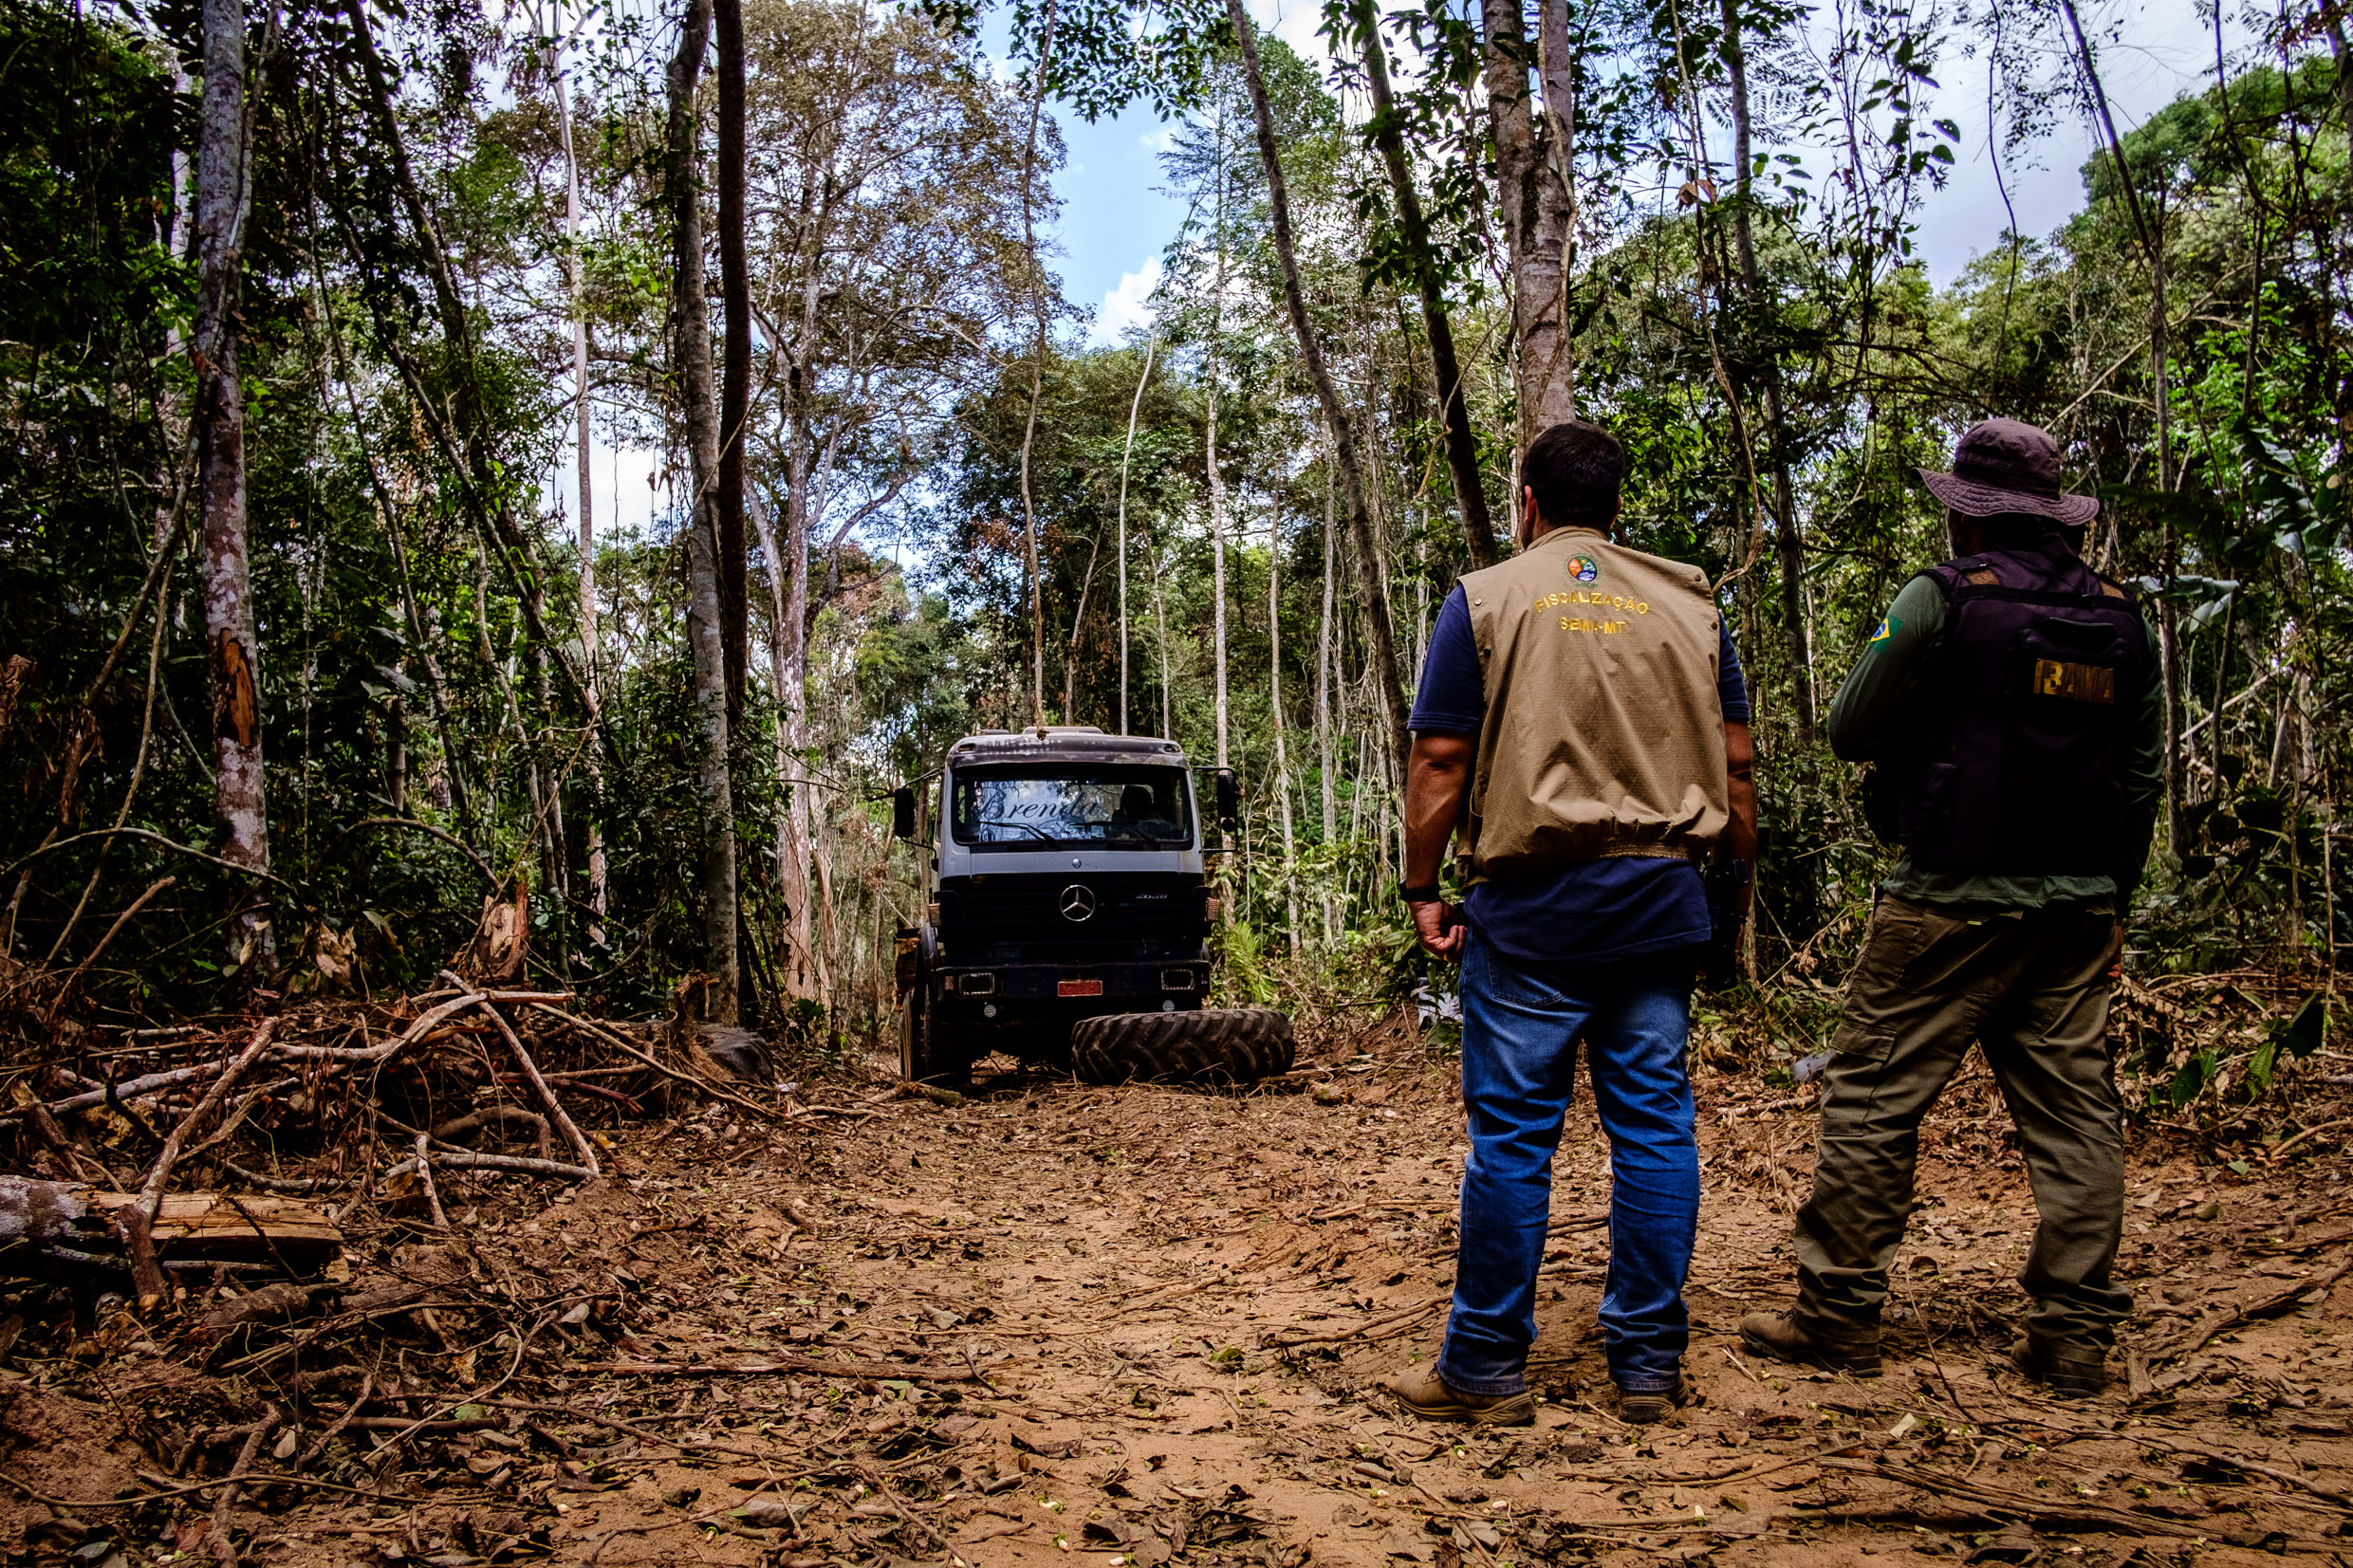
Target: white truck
{"x":1067,"y":913}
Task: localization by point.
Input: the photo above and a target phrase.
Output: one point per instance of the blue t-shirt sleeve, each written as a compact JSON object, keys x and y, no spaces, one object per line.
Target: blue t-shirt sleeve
{"x":1732,"y":692}
{"x":1453,"y":699}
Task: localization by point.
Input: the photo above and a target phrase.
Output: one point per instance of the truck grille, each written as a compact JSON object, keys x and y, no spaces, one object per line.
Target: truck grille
{"x":1073,"y":917}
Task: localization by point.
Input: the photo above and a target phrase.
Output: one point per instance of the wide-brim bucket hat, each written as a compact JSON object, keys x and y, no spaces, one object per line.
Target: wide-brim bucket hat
{"x":2009,"y":466}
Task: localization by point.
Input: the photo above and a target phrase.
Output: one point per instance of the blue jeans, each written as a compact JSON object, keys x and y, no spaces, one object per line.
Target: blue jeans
{"x":1521,"y":1025}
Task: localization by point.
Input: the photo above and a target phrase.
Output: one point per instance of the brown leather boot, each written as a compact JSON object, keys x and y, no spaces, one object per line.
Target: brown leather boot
{"x":1855,"y":1352}
{"x":1421,"y":1391}
{"x":1647,"y":1406}
{"x":2070,"y":1371}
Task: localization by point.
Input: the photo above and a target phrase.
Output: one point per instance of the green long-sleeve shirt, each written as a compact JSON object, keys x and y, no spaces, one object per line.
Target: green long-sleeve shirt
{"x":1864,"y":717}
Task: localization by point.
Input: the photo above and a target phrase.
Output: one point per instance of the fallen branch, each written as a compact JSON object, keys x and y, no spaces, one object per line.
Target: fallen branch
{"x":467,"y":1160}
{"x":424,"y":1175}
{"x":614,"y":1424}
{"x":2286,"y":1478}
{"x":2274,"y":1158}
{"x":156,"y":1083}
{"x":595,"y":1032}
{"x":318,"y":1445}
{"x":139,"y":1223}
{"x":2236,"y":1312}
{"x":530,"y":1070}
{"x":1372,"y":1328}
{"x":297,"y":1186}
{"x":1997,"y":1501}
{"x":876,"y":1369}
{"x":65,"y":1221}
{"x":475,"y":1120}
{"x":224,"y":1550}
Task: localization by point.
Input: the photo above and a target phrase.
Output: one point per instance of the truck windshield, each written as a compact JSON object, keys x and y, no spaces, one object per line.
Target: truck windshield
{"x":1049,"y":804}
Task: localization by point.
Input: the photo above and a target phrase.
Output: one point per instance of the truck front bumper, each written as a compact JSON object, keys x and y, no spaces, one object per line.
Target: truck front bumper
{"x":1145,"y":985}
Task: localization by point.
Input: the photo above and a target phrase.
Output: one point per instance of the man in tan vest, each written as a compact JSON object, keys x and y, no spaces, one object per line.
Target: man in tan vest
{"x":1581,"y":728}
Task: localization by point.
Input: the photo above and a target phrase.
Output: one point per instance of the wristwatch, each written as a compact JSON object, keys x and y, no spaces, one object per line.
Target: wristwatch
{"x":1427,"y":894}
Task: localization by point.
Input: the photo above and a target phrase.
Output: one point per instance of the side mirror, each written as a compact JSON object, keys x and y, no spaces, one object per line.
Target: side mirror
{"x":903,"y":812}
{"x":1229,"y":797}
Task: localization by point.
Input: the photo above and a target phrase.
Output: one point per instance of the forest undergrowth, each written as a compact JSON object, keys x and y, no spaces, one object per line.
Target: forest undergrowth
{"x":802,"y":1313}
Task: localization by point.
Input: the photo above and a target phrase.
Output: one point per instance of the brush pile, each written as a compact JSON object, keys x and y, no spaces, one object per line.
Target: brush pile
{"x":267,"y":1242}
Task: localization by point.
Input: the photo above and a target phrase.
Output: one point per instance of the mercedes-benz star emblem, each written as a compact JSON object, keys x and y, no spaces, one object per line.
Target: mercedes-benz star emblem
{"x":1078,"y":902}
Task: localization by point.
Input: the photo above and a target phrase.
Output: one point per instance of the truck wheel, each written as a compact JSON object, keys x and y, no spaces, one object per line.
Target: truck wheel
{"x":1210,"y":1046}
{"x":929,"y":1051}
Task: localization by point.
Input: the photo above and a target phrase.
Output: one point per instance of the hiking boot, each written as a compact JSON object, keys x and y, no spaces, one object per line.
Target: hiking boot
{"x":1780,"y":1336}
{"x":1647,"y":1406}
{"x":2068,"y":1372}
{"x":1422,"y":1392}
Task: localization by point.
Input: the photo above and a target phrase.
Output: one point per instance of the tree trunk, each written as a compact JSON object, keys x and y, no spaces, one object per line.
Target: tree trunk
{"x":1462,"y":445}
{"x":1160,"y":614}
{"x":2342,"y":55}
{"x":2151,"y":238}
{"x":240,"y":792}
{"x":1037,"y":375}
{"x":1789,"y":543}
{"x":1216,"y":485}
{"x":1532,"y":159}
{"x":705,"y":605}
{"x":1274,"y":708}
{"x":589,"y":618}
{"x":1127,"y":453}
{"x":1324,"y":713}
{"x":735,"y":357}
{"x":803,"y":471}
{"x":1379,"y":633}
{"x":787,"y":652}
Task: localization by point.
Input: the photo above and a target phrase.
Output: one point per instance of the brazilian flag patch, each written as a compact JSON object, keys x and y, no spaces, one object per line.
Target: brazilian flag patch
{"x":1888,"y":626}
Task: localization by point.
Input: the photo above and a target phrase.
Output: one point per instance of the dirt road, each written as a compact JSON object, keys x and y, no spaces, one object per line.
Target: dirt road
{"x":1139,"y":1325}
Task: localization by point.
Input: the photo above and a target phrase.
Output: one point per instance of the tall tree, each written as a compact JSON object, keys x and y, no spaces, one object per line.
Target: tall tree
{"x":705,"y":602}
{"x":735,"y":357}
{"x":1386,"y":678}
{"x":1325,"y":653}
{"x":1534,"y":156}
{"x":1127,"y":455}
{"x":224,"y":197}
{"x":1386,"y":128}
{"x":1037,"y":367}
{"x":1213,"y":472}
{"x":574,"y":271}
{"x":1275,"y":712}
{"x":1764,"y":360}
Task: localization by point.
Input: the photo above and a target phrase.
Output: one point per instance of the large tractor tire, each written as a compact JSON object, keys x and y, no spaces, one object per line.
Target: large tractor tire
{"x":1210,"y":1046}
{"x":928,"y":1052}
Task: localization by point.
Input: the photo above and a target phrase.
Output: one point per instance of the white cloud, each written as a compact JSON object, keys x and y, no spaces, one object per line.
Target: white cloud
{"x":1128,"y":305}
{"x":1162,"y":141}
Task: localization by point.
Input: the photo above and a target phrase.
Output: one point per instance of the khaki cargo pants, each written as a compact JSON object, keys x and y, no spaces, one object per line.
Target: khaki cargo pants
{"x":2031,"y":987}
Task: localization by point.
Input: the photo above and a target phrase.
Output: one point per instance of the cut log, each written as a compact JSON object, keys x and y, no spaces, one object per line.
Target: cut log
{"x":44,"y":1223}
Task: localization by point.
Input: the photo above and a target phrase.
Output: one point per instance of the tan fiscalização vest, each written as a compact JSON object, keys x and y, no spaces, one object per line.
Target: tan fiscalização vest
{"x":1604,"y":735}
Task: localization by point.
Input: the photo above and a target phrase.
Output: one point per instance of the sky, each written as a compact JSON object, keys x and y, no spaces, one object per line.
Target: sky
{"x":1116,"y":219}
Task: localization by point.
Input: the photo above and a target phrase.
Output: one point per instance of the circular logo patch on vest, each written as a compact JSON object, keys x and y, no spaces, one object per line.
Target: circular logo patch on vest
{"x":1584,"y":568}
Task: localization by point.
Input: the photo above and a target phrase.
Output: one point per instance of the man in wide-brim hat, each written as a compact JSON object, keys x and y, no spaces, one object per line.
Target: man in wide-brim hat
{"x":2010,"y":705}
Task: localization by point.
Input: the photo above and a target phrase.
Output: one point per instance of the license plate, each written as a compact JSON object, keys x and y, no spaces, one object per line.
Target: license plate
{"x":1077,"y":987}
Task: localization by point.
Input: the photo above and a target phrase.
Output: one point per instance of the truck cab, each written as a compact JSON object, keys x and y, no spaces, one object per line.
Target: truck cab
{"x":1066,"y":881}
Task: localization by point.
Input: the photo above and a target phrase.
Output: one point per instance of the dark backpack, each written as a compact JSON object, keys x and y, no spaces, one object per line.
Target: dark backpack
{"x":2010,"y":762}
